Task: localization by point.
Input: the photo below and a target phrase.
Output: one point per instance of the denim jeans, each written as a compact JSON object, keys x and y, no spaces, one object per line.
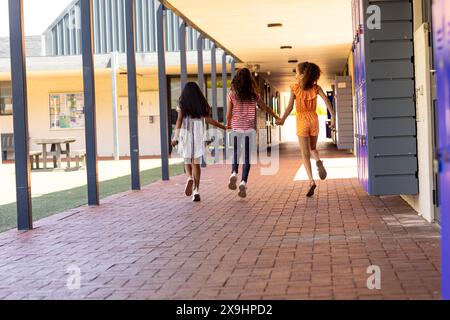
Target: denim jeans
{"x":246,"y":166}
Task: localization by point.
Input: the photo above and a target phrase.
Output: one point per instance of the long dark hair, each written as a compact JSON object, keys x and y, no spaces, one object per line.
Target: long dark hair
{"x":311,"y":74}
{"x":193,"y":103}
{"x":244,"y":86}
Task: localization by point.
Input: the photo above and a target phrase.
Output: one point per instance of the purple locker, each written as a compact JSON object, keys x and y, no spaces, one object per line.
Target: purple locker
{"x":441,"y":32}
{"x":362,"y":143}
{"x":358,"y":134}
{"x":362,"y":72}
{"x":355,"y":77}
{"x":365,"y":151}
{"x":375,"y":81}
{"x":360,"y":90}
{"x":361,"y":35}
{"x":356,"y":62}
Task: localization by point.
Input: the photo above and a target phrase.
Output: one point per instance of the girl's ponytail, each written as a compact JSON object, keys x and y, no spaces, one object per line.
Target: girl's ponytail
{"x":311,"y":74}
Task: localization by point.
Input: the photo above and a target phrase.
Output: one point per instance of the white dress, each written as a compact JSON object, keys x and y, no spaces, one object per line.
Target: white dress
{"x":191,"y":144}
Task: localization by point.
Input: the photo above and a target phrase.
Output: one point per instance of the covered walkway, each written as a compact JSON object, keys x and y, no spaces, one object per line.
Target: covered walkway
{"x":275,"y":244}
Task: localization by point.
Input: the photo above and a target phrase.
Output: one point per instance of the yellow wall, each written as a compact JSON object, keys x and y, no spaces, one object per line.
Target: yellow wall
{"x":351,"y":71}
{"x":39,"y":88}
{"x":352,"y":75}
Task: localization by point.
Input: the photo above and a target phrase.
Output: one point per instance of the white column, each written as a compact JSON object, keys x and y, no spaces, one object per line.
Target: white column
{"x":114,"y":70}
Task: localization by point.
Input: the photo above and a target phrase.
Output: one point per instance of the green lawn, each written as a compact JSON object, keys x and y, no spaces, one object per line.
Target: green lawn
{"x":52,"y":203}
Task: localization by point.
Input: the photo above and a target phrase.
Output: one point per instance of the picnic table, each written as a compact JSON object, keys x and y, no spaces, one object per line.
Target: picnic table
{"x":56,"y":150}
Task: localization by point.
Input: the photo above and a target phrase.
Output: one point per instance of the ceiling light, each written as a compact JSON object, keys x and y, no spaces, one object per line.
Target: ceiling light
{"x":285,"y":47}
{"x":274,"y":25}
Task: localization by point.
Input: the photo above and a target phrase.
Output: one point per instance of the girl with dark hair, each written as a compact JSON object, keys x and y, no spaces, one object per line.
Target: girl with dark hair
{"x":193,"y":109}
{"x":241,"y":110}
{"x":304,"y":93}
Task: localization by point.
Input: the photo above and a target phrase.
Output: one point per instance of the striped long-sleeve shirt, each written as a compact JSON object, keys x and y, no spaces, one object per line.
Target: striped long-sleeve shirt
{"x":244,"y":113}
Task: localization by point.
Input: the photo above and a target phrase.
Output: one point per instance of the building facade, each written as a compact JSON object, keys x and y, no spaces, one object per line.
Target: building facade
{"x":55,"y":77}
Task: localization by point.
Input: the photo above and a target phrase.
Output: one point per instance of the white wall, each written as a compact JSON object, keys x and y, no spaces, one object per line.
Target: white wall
{"x":6,"y":125}
{"x":149,"y":133}
{"x":423,"y":202}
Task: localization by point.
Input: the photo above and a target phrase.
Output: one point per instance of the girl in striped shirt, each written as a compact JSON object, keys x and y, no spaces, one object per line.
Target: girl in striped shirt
{"x":241,"y":112}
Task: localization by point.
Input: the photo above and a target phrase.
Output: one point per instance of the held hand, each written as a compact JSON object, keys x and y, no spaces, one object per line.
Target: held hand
{"x":332,"y":125}
{"x":228,"y":127}
{"x":174,"y":143}
{"x":279,"y":122}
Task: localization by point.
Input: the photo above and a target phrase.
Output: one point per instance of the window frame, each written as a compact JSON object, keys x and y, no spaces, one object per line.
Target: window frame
{"x":5,"y":84}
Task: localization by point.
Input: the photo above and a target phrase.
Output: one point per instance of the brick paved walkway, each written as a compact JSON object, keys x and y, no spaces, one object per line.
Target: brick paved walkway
{"x":275,"y":244}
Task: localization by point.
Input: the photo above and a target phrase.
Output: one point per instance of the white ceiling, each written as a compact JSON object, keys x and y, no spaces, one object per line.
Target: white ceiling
{"x":318,"y":30}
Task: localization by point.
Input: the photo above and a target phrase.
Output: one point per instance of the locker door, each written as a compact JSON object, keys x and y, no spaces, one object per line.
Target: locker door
{"x":358,"y":112}
{"x":356,"y":59}
{"x":389,"y":127}
{"x":362,"y":80}
{"x":445,"y":133}
{"x":361,"y":34}
{"x":361,"y":132}
{"x":440,"y":63}
{"x":441,"y":30}
{"x":365,"y":151}
{"x":358,"y":134}
{"x":445,"y":158}
{"x":358,"y":91}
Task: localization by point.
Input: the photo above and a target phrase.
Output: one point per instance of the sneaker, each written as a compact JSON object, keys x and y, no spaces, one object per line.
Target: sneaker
{"x":311,"y":190}
{"x":321,"y":169}
{"x":196,"y":196}
{"x":189,"y":186}
{"x":243,"y":189}
{"x":232,"y":182}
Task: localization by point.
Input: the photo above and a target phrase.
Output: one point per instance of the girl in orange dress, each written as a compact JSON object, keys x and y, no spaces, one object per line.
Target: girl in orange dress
{"x":304,"y":93}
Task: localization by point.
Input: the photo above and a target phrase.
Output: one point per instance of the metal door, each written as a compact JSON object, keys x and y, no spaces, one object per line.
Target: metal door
{"x":434,"y":111}
{"x":359,"y":74}
{"x":441,"y":30}
{"x":363,"y":95}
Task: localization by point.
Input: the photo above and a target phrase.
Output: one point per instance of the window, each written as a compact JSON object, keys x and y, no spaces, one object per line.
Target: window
{"x":220,"y":109}
{"x":175,"y":92}
{"x":5,"y":98}
{"x":66,"y":110}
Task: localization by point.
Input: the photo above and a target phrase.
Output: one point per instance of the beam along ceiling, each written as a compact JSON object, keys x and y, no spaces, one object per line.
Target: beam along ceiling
{"x":318,"y":30}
